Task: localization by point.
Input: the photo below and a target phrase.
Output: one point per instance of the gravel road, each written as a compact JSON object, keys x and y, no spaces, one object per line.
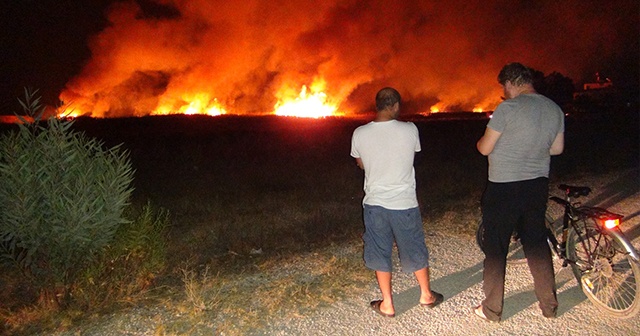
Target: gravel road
{"x":456,"y":272}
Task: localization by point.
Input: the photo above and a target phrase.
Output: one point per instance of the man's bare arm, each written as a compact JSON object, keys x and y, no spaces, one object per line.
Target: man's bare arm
{"x":557,"y":147}
{"x":488,"y":141}
{"x":359,"y":163}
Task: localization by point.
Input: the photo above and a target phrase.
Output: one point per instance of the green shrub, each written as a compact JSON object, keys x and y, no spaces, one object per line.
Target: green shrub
{"x":62,"y":198}
{"x":128,"y":265}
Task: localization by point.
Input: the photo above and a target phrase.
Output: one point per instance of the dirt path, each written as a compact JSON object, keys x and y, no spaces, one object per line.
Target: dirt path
{"x":456,"y":270}
{"x":457,"y":273}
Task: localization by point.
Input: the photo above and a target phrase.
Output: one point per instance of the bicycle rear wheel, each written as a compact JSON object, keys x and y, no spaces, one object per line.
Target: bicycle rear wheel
{"x":608,"y":275}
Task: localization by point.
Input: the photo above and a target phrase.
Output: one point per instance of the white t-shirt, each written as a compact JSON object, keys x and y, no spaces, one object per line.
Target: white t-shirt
{"x":387,"y":150}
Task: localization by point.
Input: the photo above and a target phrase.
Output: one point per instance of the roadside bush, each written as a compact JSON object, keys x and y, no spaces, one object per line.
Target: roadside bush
{"x":62,"y":197}
{"x":127,"y":266}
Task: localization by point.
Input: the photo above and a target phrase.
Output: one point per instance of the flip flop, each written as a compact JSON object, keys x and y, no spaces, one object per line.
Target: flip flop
{"x":375,"y":305}
{"x":480,"y":313}
{"x":439,"y":298}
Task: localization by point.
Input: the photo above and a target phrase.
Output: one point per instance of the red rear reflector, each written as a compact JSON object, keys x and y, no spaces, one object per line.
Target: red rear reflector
{"x":611,"y":223}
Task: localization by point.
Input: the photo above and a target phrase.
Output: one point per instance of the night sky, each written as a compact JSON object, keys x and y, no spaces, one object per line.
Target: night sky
{"x":113,"y":53}
{"x":44,"y":44}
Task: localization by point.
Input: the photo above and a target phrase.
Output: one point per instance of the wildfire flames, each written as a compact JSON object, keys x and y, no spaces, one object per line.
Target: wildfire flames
{"x":312,"y":59}
{"x":305,"y":105}
{"x":201,"y":103}
{"x":314,"y":104}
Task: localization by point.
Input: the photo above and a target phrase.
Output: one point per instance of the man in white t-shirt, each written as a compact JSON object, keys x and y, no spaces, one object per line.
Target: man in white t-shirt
{"x":385,"y":149}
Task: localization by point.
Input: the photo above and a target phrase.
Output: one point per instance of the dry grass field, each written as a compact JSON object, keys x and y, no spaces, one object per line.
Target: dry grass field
{"x":245,"y":193}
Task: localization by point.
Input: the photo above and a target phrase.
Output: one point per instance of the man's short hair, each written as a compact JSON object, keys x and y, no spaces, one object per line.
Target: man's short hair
{"x":515,"y":73}
{"x":387,"y":97}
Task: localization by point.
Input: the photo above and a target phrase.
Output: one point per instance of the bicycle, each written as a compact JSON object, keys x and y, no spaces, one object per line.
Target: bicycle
{"x":589,"y":239}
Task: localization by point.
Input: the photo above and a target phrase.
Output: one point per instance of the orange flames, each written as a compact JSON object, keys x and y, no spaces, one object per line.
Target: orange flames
{"x":440,"y":107}
{"x":313,"y":104}
{"x":307,"y":105}
{"x":195,"y":60}
{"x":436,"y":108}
{"x":315,"y":59}
{"x":310,"y":103}
{"x":200,"y":103}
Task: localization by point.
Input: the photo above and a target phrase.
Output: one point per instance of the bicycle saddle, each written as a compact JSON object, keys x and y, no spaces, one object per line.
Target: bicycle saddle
{"x":574,"y":191}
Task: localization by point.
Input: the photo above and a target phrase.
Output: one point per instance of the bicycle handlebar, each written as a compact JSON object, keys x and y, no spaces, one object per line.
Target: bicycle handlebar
{"x":574,"y":191}
{"x":559,"y":200}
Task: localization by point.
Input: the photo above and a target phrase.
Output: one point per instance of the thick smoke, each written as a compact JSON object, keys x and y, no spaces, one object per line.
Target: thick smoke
{"x":248,"y":54}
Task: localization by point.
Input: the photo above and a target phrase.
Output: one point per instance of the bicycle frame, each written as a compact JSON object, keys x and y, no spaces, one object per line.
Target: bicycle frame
{"x":602,"y":216}
{"x":603,"y":261}
{"x":573,"y":213}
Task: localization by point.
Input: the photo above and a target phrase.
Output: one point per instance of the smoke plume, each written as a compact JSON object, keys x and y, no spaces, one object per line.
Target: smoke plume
{"x":245,"y":56}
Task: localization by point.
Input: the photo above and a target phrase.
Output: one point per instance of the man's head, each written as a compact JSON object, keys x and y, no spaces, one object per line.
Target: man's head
{"x":387,"y":98}
{"x":515,"y":73}
{"x":515,"y":79}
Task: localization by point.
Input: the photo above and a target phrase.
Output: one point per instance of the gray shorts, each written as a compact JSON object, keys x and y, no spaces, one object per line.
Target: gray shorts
{"x":382,"y":227}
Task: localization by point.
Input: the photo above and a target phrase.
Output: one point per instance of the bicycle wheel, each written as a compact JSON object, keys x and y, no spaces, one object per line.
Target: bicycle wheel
{"x":608,"y":275}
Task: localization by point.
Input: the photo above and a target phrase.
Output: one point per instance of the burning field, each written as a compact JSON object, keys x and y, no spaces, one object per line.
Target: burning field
{"x":327,"y":58}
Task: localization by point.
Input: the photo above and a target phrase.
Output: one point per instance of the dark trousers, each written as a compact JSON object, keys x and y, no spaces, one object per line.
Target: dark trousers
{"x":518,"y":206}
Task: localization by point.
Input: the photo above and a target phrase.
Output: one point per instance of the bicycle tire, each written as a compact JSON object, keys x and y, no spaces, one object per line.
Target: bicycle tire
{"x":611,"y":281}
{"x":515,"y":256}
